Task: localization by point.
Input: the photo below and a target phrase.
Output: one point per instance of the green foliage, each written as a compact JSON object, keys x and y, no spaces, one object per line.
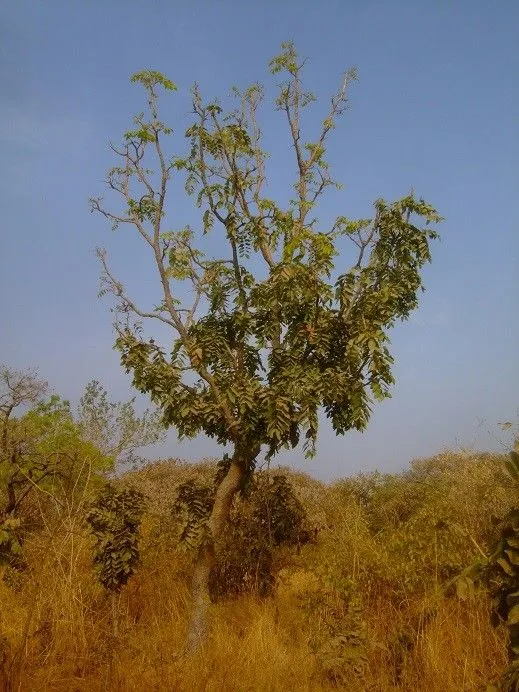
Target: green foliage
{"x":260,"y":352}
{"x":498,"y":572}
{"x":270,"y":518}
{"x":151,"y":78}
{"x":10,"y":546}
{"x":267,"y":517}
{"x":416,"y":522}
{"x":192,"y":507}
{"x":505,"y":562}
{"x":430,"y":544}
{"x":114,"y":519}
{"x":277,"y":511}
{"x":430,"y":528}
{"x":503,"y":576}
{"x":43,"y":449}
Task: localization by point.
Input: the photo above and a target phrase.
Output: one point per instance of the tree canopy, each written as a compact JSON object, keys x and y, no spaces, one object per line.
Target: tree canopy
{"x":277,"y":327}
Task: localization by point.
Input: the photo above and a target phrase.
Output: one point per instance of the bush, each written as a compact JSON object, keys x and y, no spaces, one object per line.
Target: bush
{"x":264,"y":518}
{"x":114,"y":519}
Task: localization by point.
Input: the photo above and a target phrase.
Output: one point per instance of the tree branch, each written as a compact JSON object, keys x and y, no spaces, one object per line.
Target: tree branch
{"x":118,"y":290}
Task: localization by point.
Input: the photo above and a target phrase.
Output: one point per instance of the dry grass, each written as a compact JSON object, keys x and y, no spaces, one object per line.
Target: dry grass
{"x":56,"y":627}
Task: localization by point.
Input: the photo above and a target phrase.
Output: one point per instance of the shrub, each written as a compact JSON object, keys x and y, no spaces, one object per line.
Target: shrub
{"x":266,"y":517}
{"x":114,"y":519}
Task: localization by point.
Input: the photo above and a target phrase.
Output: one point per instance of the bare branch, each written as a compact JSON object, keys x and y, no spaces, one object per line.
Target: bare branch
{"x":95,"y":205}
{"x":117,"y":289}
{"x":337,"y":105}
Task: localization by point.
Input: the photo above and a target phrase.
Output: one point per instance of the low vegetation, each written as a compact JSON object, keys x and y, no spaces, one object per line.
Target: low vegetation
{"x":375,"y":582}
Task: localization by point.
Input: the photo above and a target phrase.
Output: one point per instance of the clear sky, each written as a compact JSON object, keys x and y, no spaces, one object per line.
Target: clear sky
{"x":436,"y":108}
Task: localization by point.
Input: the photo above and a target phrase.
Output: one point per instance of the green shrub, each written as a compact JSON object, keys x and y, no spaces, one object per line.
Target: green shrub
{"x":114,"y":519}
{"x":265,"y":517}
{"x":503,"y":577}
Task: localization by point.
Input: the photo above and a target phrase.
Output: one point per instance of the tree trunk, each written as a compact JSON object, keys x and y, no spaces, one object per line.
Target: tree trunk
{"x":11,"y":499}
{"x":199,"y":624}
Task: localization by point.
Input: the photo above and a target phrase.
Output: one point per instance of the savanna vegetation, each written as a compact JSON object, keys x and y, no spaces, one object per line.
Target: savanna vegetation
{"x":374,"y":582}
{"x":120,"y":574}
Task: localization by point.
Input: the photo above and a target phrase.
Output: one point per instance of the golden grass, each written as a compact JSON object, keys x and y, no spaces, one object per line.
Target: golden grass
{"x":55,"y":626}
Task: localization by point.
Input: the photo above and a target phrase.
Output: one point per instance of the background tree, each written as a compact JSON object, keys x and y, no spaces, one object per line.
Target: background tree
{"x":43,"y":446}
{"x":43,"y":452}
{"x":274,"y":331}
{"x":114,"y":427}
{"x":42,"y":449}
{"x":18,"y":389}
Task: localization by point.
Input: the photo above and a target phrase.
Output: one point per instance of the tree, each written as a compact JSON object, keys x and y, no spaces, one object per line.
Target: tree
{"x":274,"y":332}
{"x":114,"y":427}
{"x":43,"y":445}
{"x":114,"y":520}
{"x":17,"y":389}
{"x":42,"y":450}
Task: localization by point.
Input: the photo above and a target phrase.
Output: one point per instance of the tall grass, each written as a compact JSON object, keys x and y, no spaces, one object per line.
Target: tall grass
{"x":374,"y":579}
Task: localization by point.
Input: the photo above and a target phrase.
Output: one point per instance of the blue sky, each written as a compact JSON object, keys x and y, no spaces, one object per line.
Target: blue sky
{"x":436,"y":108}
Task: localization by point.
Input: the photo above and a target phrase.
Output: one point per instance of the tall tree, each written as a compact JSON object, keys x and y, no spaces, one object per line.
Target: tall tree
{"x":273,"y":332}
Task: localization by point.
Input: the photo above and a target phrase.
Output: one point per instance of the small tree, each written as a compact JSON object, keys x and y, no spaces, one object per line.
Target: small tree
{"x":18,"y":389}
{"x":114,"y":427}
{"x":41,"y":447}
{"x":114,"y":519}
{"x":274,"y":332}
{"x":42,"y":451}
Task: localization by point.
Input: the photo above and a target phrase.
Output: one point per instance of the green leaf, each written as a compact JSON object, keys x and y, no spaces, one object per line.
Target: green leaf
{"x":258,"y":336}
{"x":505,"y":566}
{"x":513,"y":615}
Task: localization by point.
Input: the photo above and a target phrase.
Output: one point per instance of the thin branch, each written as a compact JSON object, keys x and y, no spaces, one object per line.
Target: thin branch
{"x":95,"y":205}
{"x":117,"y":289}
{"x":336,"y":108}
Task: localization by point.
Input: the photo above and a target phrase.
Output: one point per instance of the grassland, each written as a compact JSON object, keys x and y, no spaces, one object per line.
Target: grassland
{"x":366,"y":605}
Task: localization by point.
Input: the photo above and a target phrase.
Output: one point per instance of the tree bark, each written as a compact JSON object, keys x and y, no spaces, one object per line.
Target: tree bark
{"x":208,"y":552}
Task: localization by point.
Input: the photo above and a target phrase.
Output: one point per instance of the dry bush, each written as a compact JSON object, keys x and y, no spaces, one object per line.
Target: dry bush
{"x":344,"y":615}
